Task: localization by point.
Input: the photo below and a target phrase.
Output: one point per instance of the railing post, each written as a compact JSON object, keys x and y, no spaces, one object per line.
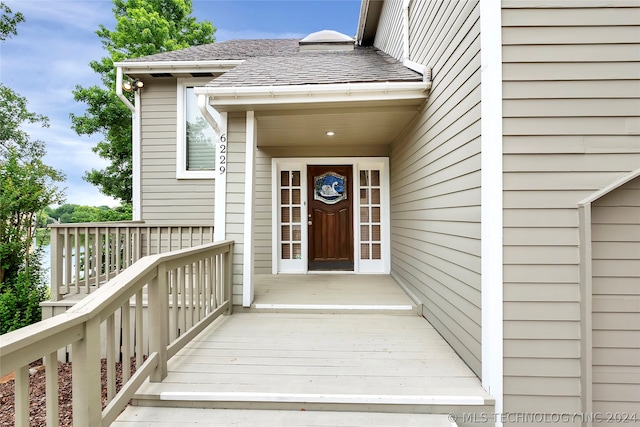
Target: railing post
{"x":86,"y":380}
{"x":159,"y":322}
{"x":228,"y":278}
{"x":56,"y":264}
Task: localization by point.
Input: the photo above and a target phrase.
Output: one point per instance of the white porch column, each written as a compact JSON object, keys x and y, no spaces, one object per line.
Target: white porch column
{"x":220,"y":215}
{"x":249,"y":185}
{"x":491,"y":200}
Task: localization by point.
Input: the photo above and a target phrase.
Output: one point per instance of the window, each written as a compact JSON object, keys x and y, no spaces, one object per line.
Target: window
{"x":196,"y":140}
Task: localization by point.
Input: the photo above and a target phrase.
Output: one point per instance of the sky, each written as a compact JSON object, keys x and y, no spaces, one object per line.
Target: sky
{"x":50,"y":56}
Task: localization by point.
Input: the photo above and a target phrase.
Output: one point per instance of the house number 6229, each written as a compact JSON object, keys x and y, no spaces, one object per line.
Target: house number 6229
{"x":223,"y":154}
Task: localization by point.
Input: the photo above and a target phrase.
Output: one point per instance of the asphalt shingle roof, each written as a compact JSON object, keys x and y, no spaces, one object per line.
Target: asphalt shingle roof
{"x":232,"y":49}
{"x":281,"y":62}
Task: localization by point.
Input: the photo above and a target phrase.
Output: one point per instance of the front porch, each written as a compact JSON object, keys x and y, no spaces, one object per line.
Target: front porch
{"x":323,"y":349}
{"x":312,"y":349}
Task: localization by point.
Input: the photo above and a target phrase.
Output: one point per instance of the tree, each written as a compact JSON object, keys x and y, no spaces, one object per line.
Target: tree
{"x":143,"y":27}
{"x":27,"y":186}
{"x":8,"y":22}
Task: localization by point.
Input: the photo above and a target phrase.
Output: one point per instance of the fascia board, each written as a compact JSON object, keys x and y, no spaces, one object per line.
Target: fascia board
{"x":304,"y":94}
{"x":182,"y":66}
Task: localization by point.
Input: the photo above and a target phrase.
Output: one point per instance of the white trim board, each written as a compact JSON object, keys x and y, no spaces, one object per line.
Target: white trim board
{"x":491,"y":201}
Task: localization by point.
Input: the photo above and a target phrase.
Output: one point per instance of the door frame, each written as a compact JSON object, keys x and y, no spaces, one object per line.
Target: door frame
{"x":382,"y":266}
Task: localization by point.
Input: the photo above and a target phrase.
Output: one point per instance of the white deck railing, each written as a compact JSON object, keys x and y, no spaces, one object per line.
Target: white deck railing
{"x":84,"y":256}
{"x":184,"y":291}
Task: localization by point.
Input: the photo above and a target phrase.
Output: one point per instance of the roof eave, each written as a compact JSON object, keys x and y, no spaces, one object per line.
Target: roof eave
{"x":224,"y":98}
{"x":177,"y":66}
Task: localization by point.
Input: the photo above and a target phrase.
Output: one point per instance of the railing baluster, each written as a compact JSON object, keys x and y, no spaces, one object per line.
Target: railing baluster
{"x":148,"y":242}
{"x":111,"y":357}
{"x":139,"y":343}
{"x":51,"y":388}
{"x":208,"y":286}
{"x":77,"y":259}
{"x":198,"y":291}
{"x":125,"y":349}
{"x":21,"y":396}
{"x":215,"y":282}
{"x":107,"y":253}
{"x":183,"y":297}
{"x":87,"y":260}
{"x":98,"y":256}
{"x":175,"y":274}
{"x":117,"y":250}
{"x":137,"y":245}
{"x":67,"y":260}
{"x":192,"y":292}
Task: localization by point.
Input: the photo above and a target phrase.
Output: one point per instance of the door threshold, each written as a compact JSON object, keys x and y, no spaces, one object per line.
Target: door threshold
{"x":331,"y":272}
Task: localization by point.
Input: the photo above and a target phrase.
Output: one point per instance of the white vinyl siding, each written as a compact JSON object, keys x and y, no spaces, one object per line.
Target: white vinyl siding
{"x":435,"y":179}
{"x":571,"y":104}
{"x":615,"y":220}
{"x":389,"y":35}
{"x":236,"y":131}
{"x":165,"y":199}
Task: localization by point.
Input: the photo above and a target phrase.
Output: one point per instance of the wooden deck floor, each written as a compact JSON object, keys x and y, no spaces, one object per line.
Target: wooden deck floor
{"x":364,"y":363}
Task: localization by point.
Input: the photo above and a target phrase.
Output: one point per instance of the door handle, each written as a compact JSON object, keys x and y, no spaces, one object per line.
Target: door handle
{"x":310,"y":222}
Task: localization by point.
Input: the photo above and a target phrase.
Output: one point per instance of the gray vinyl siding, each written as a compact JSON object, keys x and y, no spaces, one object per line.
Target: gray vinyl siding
{"x":435,"y":179}
{"x":237,"y":132}
{"x":166,"y":200}
{"x":263,"y":214}
{"x":389,"y":35}
{"x":571,"y":100}
{"x":615,"y":220}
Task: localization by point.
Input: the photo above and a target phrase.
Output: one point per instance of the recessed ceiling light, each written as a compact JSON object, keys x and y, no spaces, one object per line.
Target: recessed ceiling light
{"x":330,"y":133}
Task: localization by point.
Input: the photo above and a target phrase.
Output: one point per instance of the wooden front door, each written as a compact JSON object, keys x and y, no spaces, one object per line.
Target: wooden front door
{"x":330,"y":219}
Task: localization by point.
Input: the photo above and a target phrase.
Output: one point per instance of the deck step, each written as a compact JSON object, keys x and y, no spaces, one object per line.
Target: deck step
{"x":396,"y":309}
{"x":295,"y":402}
{"x":149,"y":416}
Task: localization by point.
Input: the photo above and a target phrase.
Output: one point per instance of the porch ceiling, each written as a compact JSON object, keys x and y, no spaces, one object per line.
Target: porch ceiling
{"x":354,"y":125}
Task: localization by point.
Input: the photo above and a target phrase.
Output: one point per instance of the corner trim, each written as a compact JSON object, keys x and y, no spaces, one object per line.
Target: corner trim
{"x":492,"y":281}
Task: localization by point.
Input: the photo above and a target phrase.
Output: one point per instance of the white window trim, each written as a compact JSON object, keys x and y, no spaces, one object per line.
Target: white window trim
{"x":181,"y":141}
{"x":358,"y":163}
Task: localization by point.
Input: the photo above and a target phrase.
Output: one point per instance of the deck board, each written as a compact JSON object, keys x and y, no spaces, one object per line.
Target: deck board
{"x":289,"y":361}
{"x":353,"y":354}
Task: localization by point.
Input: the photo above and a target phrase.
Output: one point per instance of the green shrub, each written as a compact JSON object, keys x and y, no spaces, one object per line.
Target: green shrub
{"x":21,"y":296}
